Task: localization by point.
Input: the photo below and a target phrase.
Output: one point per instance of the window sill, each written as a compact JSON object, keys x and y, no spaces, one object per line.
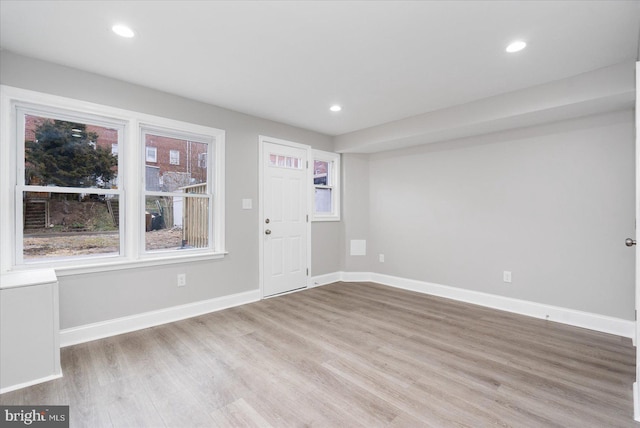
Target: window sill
{"x":109,"y":266}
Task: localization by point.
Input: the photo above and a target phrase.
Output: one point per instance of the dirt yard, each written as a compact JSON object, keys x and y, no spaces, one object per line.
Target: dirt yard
{"x":74,"y":244}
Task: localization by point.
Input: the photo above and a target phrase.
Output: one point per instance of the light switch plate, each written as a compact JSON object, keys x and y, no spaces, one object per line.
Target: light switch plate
{"x":506,"y":276}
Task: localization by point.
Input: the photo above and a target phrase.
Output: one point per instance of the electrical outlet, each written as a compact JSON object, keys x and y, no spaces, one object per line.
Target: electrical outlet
{"x":506,"y":276}
{"x":182,"y":279}
{"x":381,"y":258}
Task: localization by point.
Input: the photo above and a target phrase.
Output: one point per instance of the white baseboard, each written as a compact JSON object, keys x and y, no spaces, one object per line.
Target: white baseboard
{"x":320,"y":280}
{"x":572,"y":317}
{"x":89,"y":332}
{"x":636,"y":403}
{"x":30,"y":383}
{"x":356,"y":276}
{"x":99,"y":330}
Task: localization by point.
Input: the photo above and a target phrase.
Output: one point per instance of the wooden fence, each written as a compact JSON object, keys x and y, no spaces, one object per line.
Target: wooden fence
{"x":195,"y":215}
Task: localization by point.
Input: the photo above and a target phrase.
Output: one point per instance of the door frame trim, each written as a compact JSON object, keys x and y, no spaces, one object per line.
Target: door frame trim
{"x":262,"y":139}
{"x":636,"y":384}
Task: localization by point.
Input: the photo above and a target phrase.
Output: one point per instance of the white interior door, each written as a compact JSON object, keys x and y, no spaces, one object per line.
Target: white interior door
{"x":285,"y":218}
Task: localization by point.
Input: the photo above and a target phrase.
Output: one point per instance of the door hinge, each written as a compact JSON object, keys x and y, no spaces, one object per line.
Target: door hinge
{"x":307,"y":271}
{"x":307,"y":218}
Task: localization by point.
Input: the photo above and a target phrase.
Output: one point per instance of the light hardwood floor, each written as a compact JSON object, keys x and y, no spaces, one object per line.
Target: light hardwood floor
{"x":347,"y":355}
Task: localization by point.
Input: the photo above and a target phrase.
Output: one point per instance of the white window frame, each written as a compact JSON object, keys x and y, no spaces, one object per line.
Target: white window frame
{"x":174,"y":157}
{"x":132,"y":151}
{"x":183,"y":133}
{"x":114,"y":149}
{"x":334,"y":178}
{"x":151,"y":154}
{"x":21,"y":109}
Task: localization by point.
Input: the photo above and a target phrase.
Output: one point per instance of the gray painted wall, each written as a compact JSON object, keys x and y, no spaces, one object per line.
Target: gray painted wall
{"x":91,"y":298}
{"x":552,"y":204}
{"x":355,"y":213}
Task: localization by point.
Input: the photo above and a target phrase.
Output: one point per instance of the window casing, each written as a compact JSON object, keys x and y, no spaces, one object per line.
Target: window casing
{"x":120,"y":136}
{"x":326,"y":186}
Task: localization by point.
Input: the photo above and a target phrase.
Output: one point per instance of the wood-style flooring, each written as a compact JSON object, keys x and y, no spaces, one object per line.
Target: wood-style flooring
{"x":347,"y":355}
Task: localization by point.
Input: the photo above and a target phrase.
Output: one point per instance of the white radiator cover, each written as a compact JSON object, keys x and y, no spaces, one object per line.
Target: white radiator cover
{"x":29,"y":329}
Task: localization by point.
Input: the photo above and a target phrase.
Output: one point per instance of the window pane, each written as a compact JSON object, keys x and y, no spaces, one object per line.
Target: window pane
{"x":323,"y":201}
{"x":177,"y":163}
{"x":285,"y":161}
{"x":321,"y":173}
{"x":58,"y":225}
{"x":179,"y":222}
{"x":69,"y":154}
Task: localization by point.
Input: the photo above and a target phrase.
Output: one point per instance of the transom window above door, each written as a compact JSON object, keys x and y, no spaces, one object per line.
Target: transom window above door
{"x":285,"y":161}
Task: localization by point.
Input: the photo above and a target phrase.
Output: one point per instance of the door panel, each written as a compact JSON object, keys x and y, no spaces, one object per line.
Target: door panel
{"x":277,"y":257}
{"x":285,"y":218}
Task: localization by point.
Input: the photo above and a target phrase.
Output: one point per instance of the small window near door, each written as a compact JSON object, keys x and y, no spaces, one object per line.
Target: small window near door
{"x":326,"y":176}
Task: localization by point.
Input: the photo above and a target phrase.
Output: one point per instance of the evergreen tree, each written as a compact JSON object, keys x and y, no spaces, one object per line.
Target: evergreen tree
{"x":65,"y":154}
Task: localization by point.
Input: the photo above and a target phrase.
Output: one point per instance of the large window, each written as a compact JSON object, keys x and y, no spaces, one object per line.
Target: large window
{"x":67,"y":185}
{"x":177,"y":198}
{"x":71,"y":181}
{"x":326,"y":183}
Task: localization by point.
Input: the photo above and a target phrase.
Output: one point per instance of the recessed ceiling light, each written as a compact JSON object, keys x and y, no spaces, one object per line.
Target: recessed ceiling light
{"x":335,"y":108}
{"x":123,"y":31}
{"x":516,"y":46}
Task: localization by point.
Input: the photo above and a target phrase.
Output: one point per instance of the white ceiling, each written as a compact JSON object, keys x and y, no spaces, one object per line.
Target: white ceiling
{"x":289,"y":61}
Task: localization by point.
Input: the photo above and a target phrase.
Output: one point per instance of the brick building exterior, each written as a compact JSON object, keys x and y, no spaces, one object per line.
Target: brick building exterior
{"x":176,"y":162}
{"x":170,"y":163}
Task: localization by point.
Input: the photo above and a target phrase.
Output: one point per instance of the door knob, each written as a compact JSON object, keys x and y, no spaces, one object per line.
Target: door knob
{"x":629,"y":242}
{"x":268,"y":232}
